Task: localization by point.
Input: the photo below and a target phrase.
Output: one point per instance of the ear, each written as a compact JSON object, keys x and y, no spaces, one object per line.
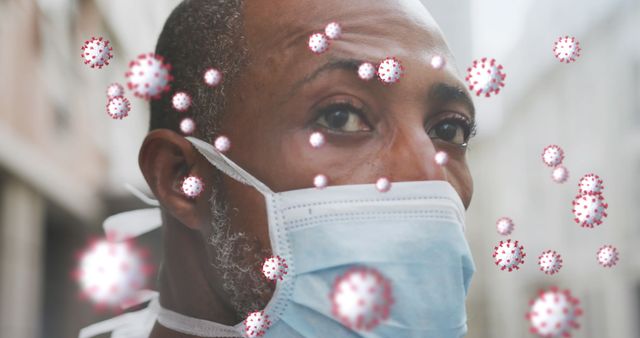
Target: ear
{"x":165,"y":159}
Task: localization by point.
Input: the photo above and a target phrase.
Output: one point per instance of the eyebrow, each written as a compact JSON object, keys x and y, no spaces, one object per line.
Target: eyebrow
{"x":333,"y":64}
{"x":440,"y":92}
{"x":445,"y":93}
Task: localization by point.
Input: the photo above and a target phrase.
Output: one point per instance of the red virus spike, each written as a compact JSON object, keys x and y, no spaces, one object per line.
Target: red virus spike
{"x":485,"y":77}
{"x":508,"y":255}
{"x":553,"y":313}
{"x":361,"y":298}
{"x":96,"y":52}
{"x":149,"y":76}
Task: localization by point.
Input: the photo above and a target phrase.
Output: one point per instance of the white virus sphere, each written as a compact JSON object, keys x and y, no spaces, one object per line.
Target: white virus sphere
{"x":212,"y":77}
{"x":554,"y":313}
{"x":552,"y":155}
{"x":110,"y":272}
{"x":192,"y":186}
{"x":115,"y":90}
{"x":316,"y":139}
{"x":181,"y":101}
{"x":607,"y":256}
{"x":566,"y":49}
{"x":256,"y":324}
{"x":361,"y":298}
{"x":589,"y":210}
{"x":509,"y":255}
{"x":437,"y":62}
{"x":222,"y":143}
{"x":118,"y":107}
{"x":333,"y":30}
{"x":187,"y":126}
{"x":320,"y":181}
{"x":590,"y":184}
{"x":383,"y":184}
{"x":390,"y":70}
{"x":505,"y":226}
{"x":441,"y":158}
{"x":560,"y":174}
{"x":550,"y":262}
{"x":366,"y":71}
{"x":318,"y":43}
{"x":149,"y":76}
{"x":96,"y":52}
{"x":274,"y":268}
{"x":485,"y":77}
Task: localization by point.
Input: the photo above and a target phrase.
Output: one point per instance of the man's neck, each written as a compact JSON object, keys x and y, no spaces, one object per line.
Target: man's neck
{"x":184,"y":279}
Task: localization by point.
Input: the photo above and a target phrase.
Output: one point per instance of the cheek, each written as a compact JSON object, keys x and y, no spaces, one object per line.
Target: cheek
{"x":459,"y":176}
{"x":247,"y":211}
{"x":342,"y":161}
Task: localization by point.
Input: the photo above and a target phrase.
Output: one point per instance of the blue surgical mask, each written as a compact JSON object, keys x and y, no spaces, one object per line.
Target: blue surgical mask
{"x":412,"y":235}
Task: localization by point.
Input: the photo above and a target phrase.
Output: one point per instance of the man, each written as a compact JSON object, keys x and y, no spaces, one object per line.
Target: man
{"x":275,"y":92}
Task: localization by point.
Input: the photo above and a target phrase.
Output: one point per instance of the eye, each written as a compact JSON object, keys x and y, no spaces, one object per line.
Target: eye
{"x":342,"y":118}
{"x":452,"y":130}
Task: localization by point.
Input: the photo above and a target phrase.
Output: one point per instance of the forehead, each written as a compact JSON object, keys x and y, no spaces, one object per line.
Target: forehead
{"x":372,"y":29}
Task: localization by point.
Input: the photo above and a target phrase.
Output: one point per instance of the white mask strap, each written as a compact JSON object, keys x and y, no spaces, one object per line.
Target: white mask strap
{"x":227,"y":166}
{"x":194,"y":326}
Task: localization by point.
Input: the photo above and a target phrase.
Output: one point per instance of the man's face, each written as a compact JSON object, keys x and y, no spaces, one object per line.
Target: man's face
{"x":371,"y":129}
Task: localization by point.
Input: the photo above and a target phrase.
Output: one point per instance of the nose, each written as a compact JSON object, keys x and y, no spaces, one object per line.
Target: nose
{"x":410,"y":156}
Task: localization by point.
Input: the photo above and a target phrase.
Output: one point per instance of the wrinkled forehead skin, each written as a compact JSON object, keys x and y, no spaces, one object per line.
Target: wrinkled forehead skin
{"x":278,"y":31}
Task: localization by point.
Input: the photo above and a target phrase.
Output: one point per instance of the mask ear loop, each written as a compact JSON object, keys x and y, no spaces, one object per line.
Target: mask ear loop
{"x":130,"y":224}
{"x":227,"y":166}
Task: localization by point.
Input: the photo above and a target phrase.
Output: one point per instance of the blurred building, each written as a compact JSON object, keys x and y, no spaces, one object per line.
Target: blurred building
{"x":591,"y":108}
{"x":63,"y":160}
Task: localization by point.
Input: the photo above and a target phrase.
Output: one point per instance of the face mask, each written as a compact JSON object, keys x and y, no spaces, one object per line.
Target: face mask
{"x":407,"y":242}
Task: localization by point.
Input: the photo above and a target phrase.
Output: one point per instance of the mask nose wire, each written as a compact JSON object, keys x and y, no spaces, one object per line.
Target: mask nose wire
{"x":227,"y":166}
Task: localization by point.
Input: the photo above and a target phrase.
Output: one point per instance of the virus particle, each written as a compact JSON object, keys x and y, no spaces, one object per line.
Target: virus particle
{"x":212,"y":77}
{"x":485,"y":77}
{"x":554,"y":313}
{"x":560,"y":174}
{"x":390,"y":70}
{"x":118,"y":107}
{"x":96,"y":52}
{"x":187,"y":126}
{"x":607,"y":256}
{"x":437,"y":62}
{"x":589,"y":210}
{"x":441,"y":158}
{"x":115,"y":90}
{"x":320,"y":181}
{"x":318,"y":43}
{"x":550,"y":262}
{"x":149,"y":76}
{"x":111,"y":272}
{"x":505,"y":226}
{"x":256,"y":324}
{"x":181,"y":101}
{"x":222,"y":143}
{"x":509,"y":255}
{"x":590,"y":184}
{"x":333,"y":30}
{"x":552,"y":155}
{"x":316,"y":139}
{"x":366,"y":71}
{"x":192,"y":186}
{"x":361,"y":298}
{"x":566,"y":49}
{"x":383,"y":184}
{"x":274,"y":268}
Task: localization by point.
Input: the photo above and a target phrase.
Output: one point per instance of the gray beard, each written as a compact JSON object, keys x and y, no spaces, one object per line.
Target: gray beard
{"x":237,"y":260}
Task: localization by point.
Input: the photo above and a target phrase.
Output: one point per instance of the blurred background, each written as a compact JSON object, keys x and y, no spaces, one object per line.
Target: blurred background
{"x":63,"y":161}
